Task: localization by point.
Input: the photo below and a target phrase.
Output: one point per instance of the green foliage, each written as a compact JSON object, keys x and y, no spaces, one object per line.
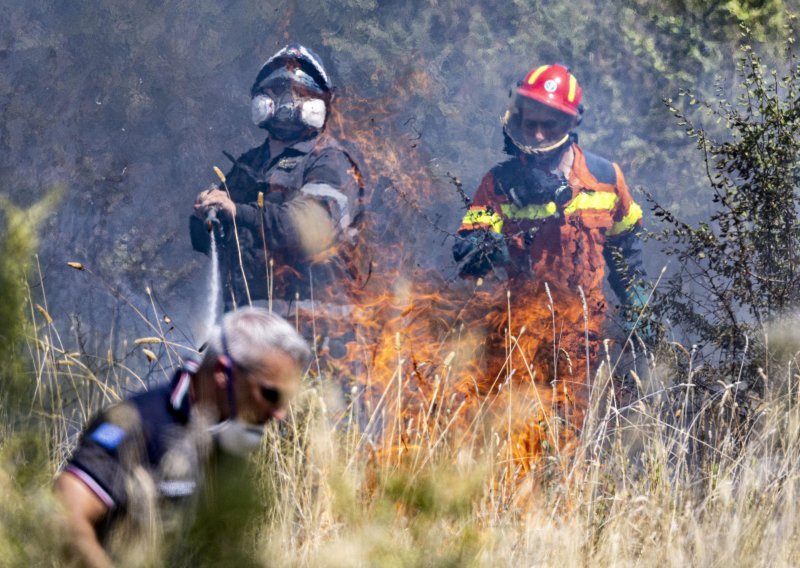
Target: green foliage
{"x":740,"y":269}
{"x":27,"y":523}
{"x":218,"y":531}
{"x":18,"y":242}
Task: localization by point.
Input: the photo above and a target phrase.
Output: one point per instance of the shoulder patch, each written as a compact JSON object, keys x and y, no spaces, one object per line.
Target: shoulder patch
{"x":287,"y":163}
{"x":108,"y":435}
{"x":600,"y":168}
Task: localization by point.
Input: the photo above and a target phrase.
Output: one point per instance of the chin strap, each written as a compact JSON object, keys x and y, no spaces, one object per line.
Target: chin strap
{"x":546,"y":149}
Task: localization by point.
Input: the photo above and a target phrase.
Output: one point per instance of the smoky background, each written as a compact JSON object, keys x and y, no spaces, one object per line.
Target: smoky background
{"x":128,"y":106}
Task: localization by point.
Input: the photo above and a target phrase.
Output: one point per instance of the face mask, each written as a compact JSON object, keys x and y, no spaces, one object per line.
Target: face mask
{"x":287,"y":114}
{"x":232,"y":435}
{"x":262,"y":109}
{"x":236,"y":437}
{"x":295,"y":118}
{"x":312,"y":112}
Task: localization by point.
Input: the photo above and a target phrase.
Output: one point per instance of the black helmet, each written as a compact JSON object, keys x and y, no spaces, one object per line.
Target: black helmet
{"x":309,"y":63}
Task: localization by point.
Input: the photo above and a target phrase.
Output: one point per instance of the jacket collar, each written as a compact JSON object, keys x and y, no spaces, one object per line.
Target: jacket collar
{"x":301,"y":147}
{"x":179,"y":399}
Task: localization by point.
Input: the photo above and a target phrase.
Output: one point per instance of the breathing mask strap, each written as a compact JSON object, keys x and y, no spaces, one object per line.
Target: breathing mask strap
{"x":229,"y":373}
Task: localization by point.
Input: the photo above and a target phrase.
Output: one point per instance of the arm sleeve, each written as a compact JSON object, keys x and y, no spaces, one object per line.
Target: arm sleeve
{"x":326,"y":208}
{"x":110,"y":440}
{"x":201,"y":241}
{"x":96,"y":463}
{"x":623,"y":251}
{"x":484,"y":211}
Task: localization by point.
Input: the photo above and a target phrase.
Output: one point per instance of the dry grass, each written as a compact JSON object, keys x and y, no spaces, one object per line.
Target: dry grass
{"x":659,"y":475}
{"x":650,"y":483}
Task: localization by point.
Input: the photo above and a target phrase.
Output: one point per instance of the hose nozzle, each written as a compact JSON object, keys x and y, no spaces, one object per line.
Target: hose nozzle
{"x":212,"y":221}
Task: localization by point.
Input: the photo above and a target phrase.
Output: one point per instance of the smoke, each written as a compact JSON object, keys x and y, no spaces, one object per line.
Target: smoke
{"x":130,"y":105}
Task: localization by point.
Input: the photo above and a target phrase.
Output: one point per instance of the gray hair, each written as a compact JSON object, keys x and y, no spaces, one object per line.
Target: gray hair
{"x":249,"y":333}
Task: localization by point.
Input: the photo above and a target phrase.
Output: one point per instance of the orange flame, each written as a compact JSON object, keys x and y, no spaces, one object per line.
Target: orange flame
{"x":432,"y":361}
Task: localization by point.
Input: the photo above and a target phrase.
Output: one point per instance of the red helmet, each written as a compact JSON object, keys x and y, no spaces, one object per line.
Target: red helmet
{"x":554,"y":86}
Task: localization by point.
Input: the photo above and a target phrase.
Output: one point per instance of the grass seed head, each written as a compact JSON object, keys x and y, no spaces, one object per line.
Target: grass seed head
{"x":219,"y":173}
{"x":45,"y":315}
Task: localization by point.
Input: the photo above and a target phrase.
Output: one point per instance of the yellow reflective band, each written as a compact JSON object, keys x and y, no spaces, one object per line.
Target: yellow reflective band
{"x":535,"y":74}
{"x":603,"y":200}
{"x":634,"y":216}
{"x":573,"y":86}
{"x":529,"y":212}
{"x":481,"y":218}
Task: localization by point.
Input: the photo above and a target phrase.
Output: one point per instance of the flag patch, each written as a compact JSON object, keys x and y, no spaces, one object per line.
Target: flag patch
{"x":108,"y":435}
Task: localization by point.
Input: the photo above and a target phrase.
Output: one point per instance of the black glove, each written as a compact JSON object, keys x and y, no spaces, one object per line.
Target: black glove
{"x":541,"y":187}
{"x":638,"y":317}
{"x":479,"y":251}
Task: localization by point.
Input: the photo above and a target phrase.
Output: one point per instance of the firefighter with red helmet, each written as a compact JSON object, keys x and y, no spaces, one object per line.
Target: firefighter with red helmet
{"x":554,"y":212}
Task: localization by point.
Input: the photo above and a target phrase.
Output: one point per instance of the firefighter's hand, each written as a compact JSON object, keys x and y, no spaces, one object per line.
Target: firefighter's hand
{"x":480,"y":251}
{"x":637,"y":317}
{"x":214,"y":198}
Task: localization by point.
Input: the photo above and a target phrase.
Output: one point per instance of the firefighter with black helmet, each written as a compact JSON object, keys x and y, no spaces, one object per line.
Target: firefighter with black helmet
{"x":554,"y":212}
{"x":291,"y":206}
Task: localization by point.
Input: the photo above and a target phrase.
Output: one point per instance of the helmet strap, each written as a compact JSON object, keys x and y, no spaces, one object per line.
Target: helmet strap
{"x":229,"y":374}
{"x":541,"y":152}
{"x":552,"y":147}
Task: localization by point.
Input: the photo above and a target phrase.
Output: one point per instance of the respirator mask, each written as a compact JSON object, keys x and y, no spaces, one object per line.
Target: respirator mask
{"x":289,"y":104}
{"x":237,"y":438}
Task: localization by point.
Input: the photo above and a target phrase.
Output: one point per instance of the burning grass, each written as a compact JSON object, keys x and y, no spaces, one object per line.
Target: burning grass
{"x":432,"y":461}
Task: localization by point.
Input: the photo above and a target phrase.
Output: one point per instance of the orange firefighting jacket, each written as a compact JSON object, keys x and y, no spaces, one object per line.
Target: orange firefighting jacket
{"x":562,"y":246}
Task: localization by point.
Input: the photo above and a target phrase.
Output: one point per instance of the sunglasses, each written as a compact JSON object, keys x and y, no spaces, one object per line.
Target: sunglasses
{"x":271,"y":395}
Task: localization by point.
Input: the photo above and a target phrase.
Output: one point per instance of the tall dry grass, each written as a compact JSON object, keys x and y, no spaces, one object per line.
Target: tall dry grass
{"x":668,"y":477}
{"x":663,"y":472}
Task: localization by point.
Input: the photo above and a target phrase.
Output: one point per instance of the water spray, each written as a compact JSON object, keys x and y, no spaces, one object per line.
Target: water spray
{"x":214,"y":276}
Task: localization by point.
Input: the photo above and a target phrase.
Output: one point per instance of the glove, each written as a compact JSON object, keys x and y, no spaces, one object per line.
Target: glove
{"x":541,"y":187}
{"x":479,"y":251}
{"x":637,"y":317}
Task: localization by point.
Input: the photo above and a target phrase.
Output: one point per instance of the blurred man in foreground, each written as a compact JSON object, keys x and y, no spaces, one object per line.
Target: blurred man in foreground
{"x":142,"y":463}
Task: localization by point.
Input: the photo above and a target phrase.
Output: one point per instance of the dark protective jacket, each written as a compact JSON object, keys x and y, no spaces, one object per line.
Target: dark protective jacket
{"x":146,"y":434}
{"x":308,"y":225}
{"x":569,"y":245}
